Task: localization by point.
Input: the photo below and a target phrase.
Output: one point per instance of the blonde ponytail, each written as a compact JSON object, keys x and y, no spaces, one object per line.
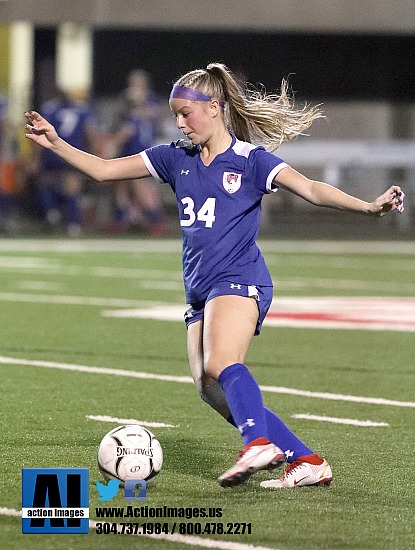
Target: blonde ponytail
{"x":251,"y":114}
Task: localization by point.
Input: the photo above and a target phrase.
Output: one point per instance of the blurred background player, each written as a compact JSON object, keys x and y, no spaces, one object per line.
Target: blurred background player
{"x":58,"y":187}
{"x":7,"y":190}
{"x":138,"y":125}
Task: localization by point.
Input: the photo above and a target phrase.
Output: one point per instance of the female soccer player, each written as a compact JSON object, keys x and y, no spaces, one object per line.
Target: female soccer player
{"x":219,"y":178}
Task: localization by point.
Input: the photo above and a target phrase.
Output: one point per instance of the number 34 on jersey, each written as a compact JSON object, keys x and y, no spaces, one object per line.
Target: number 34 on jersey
{"x":206,"y":213}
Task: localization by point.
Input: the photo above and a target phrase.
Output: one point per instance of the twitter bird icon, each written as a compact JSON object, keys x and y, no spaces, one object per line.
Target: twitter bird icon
{"x":107,"y":492}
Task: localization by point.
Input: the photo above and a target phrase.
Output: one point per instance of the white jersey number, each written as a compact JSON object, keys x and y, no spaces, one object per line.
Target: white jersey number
{"x":68,"y":119}
{"x":205,"y":214}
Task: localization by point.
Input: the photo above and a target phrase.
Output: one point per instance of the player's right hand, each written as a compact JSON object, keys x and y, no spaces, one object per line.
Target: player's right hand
{"x":39,"y":130}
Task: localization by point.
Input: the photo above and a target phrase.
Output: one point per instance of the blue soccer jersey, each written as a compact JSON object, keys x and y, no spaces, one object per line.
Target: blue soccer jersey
{"x":219,"y":208}
{"x":144,"y":129}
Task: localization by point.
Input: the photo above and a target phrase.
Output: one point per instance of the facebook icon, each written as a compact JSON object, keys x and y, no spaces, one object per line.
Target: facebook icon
{"x":135,"y":489}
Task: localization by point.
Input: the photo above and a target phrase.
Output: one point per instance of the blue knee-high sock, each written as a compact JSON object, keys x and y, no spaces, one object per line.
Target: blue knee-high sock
{"x":244,"y":400}
{"x":282,"y":436}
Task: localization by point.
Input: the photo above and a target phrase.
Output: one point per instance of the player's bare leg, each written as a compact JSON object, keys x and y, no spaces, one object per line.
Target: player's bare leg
{"x":208,"y":388}
{"x":229,"y":326}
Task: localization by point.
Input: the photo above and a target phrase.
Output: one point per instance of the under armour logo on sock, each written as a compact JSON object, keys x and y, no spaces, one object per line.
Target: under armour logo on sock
{"x":288,"y":453}
{"x":248,"y":424}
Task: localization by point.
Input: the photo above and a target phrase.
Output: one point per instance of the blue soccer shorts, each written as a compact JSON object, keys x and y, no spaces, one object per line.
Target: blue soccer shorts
{"x":262,"y":294}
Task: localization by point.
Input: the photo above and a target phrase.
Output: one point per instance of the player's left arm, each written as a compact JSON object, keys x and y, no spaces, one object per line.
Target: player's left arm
{"x":323,"y":194}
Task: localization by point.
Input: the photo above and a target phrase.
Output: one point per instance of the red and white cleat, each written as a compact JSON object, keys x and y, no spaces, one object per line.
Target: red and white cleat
{"x":260,"y":454}
{"x":306,"y":470}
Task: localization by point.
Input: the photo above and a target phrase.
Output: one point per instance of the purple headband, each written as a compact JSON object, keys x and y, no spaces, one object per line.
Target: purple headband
{"x":183,"y":92}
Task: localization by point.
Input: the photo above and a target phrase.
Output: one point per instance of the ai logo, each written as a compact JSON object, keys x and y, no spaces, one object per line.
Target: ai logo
{"x":55,"y":500}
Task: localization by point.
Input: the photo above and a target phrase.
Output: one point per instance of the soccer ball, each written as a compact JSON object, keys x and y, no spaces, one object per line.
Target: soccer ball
{"x":130,"y":452}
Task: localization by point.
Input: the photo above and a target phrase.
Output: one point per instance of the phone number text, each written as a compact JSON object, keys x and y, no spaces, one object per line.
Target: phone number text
{"x":158,"y":528}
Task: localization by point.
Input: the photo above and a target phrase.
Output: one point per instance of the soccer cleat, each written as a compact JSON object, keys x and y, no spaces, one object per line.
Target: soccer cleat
{"x":306,"y":470}
{"x":260,"y":454}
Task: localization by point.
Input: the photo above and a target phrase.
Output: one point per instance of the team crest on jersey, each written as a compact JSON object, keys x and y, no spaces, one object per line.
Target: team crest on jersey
{"x":231,"y":181}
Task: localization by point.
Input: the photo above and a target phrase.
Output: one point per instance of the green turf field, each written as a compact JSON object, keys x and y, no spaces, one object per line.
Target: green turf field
{"x":56,"y":300}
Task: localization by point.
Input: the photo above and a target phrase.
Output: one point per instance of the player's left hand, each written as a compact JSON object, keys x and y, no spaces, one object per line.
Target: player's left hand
{"x":391,"y":200}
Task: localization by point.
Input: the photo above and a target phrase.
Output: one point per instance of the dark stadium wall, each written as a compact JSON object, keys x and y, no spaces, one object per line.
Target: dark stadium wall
{"x":321,"y":66}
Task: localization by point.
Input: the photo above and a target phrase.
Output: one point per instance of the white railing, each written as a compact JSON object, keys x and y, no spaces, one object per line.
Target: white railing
{"x":333,"y":156}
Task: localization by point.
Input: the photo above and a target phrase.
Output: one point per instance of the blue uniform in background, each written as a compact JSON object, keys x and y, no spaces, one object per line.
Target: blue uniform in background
{"x":144,"y":130}
{"x":219,"y":208}
{"x":59,"y":186}
{"x":138,"y":203}
{"x":71,"y":120}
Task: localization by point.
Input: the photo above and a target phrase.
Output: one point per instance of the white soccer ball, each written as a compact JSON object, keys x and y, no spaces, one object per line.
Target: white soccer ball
{"x":130,"y":452}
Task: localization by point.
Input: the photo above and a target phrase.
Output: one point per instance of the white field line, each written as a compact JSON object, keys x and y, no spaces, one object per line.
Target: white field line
{"x":344,"y":284}
{"x":176,"y":286}
{"x":145,"y":280}
{"x":189,"y":380}
{"x":149,"y":280}
{"x":338,"y":325}
{"x":357,"y":312}
{"x":116,"y":420}
{"x":337,"y":247}
{"x":26,"y":262}
{"x":341,"y":262}
{"x":347,"y":421}
{"x":329,"y":312}
{"x":68,"y":246}
{"x":334,"y":420}
{"x":49,"y":268}
{"x":76,"y":300}
{"x":364,"y":313}
{"x":377,"y":313}
{"x":53,"y":286}
{"x":181,"y":539}
{"x":10,"y":512}
{"x":96,"y":370}
{"x":165,"y":280}
{"x":32,"y":263}
{"x":135,"y":273}
{"x":161,"y":285}
{"x":174,"y":246}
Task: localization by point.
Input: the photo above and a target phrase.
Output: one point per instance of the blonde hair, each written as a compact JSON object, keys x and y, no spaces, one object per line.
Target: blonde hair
{"x":251,"y":114}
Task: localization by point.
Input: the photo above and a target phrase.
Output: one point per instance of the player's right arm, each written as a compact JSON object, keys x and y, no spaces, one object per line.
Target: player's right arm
{"x":43,"y":133}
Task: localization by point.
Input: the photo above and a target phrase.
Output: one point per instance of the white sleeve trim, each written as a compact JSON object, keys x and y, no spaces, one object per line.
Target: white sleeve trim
{"x":271,"y":176}
{"x":150,"y":167}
